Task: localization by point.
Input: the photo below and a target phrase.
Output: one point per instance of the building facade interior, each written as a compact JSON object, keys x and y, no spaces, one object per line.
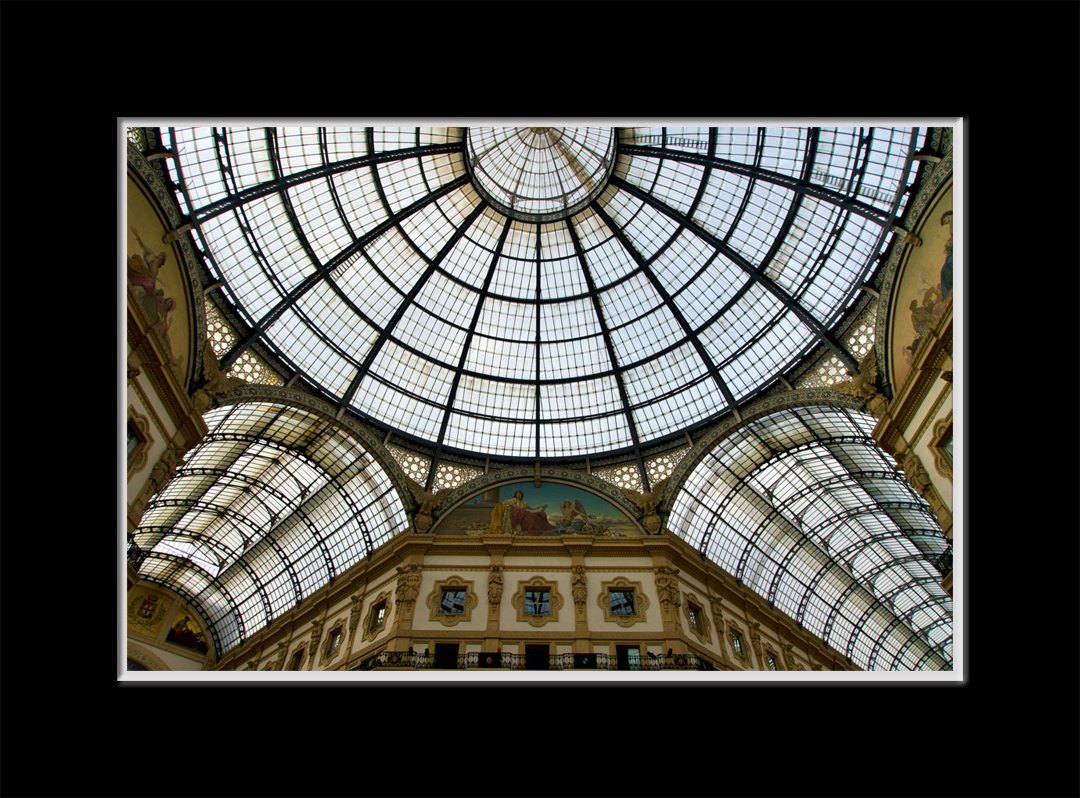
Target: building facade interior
{"x":404,"y":401}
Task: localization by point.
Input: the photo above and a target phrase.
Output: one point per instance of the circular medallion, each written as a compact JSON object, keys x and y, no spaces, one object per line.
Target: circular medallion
{"x":540,"y":173}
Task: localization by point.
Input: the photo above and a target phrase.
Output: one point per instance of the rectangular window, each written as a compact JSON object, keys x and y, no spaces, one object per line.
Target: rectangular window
{"x":297,"y":658}
{"x":133,"y":441}
{"x":622,"y":602}
{"x":736,"y":643}
{"x":537,"y":602}
{"x":378,"y":615}
{"x":335,"y":641}
{"x":771,"y":661}
{"x":695,"y":616}
{"x":453,"y":601}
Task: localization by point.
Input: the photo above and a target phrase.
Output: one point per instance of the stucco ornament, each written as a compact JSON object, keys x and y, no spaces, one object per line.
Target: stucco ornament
{"x":864,"y":385}
{"x":667,"y":586}
{"x":426,"y":502}
{"x":495,"y":585}
{"x":408,"y":587}
{"x":578,"y":587}
{"x":216,"y":381}
{"x":916,"y":474}
{"x":647,"y":503}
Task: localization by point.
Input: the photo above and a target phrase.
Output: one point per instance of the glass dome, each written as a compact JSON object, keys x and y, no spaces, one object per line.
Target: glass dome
{"x":540,"y":292}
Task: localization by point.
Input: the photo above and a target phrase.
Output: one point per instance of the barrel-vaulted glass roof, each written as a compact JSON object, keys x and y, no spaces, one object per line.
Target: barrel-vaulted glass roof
{"x":274,"y":503}
{"x":804,"y":508}
{"x":541,"y":292}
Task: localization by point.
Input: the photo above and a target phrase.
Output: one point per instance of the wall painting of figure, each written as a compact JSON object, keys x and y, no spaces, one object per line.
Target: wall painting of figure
{"x":154,"y":279}
{"x":926,"y":286}
{"x":522,"y":509}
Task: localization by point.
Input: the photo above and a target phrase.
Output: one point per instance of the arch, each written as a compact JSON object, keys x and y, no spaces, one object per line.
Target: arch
{"x":280,"y":498}
{"x":857,"y":555}
{"x":148,"y":659}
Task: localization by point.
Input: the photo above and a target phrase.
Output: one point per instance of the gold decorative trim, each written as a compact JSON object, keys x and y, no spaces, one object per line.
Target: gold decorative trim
{"x":327,"y":655}
{"x":744,"y":642}
{"x":370,"y":633}
{"x":288,"y":661}
{"x":555,"y":601}
{"x":150,"y":408}
{"x":641,"y":601}
{"x":146,"y":658}
{"x":942,"y":459}
{"x":141,"y":427}
{"x":768,"y":652}
{"x":434,"y":601}
{"x":704,"y":634}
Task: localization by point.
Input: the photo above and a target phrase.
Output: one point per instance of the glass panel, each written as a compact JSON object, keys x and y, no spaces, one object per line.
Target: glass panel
{"x":453,"y":602}
{"x":537,"y":602}
{"x":622,"y":602}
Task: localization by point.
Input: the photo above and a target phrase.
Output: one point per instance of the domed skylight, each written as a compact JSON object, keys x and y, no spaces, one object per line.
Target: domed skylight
{"x":540,"y":292}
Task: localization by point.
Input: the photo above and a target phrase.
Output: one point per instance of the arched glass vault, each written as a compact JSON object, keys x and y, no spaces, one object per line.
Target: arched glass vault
{"x":274,"y":503}
{"x":804,"y":508}
{"x":540,"y":293}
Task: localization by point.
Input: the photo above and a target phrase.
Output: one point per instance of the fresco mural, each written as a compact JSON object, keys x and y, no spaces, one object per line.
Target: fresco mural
{"x":523,"y":509}
{"x":153,"y":277}
{"x":925,"y":286}
{"x":186,"y":632}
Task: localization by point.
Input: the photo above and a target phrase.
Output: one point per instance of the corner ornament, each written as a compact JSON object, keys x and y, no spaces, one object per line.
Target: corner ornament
{"x":426,"y":502}
{"x":863,"y":385}
{"x":216,"y":381}
{"x":647,"y":503}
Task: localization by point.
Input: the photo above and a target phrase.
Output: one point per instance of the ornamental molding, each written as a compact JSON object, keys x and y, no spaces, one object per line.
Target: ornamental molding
{"x":150,"y":178}
{"x":555,"y":601}
{"x":786,"y":400}
{"x":942,"y":460}
{"x":733,"y":629}
{"x":769,"y":651}
{"x":137,"y":460}
{"x":641,"y":601}
{"x":327,"y":656}
{"x":434,"y":601}
{"x":370,"y":630}
{"x":704,"y":634}
{"x":146,"y":658}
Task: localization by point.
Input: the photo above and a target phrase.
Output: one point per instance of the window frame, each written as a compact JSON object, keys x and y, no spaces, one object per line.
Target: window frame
{"x":520,"y":604}
{"x":641,"y":602}
{"x":435,"y":601}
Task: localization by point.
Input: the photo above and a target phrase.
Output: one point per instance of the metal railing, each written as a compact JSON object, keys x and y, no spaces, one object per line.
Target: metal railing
{"x":519,"y":662}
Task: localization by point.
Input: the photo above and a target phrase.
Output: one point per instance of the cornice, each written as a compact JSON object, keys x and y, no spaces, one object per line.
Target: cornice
{"x":924,"y":374}
{"x":162,"y":379}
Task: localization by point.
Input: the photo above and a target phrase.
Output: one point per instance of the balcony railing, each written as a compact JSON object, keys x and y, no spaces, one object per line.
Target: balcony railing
{"x":519,"y":662}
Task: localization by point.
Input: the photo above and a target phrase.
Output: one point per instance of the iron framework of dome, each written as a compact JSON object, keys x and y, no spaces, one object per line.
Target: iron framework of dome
{"x":684,"y":272}
{"x":547,"y":294}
